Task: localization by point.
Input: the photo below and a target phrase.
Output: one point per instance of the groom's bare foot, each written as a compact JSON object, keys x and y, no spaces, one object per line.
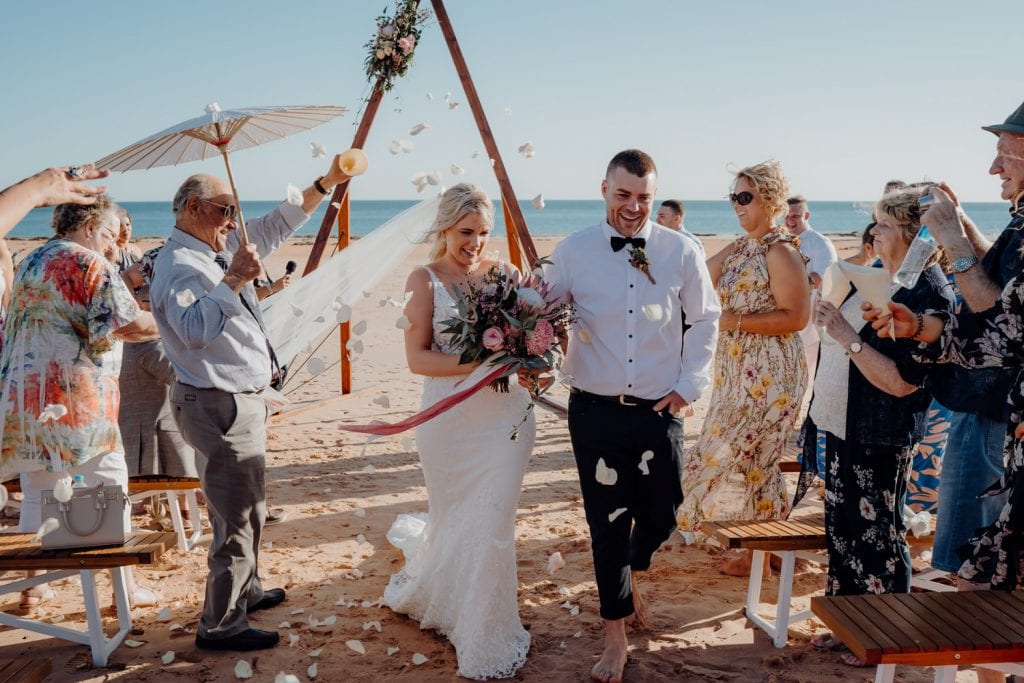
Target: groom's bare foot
{"x":639,"y":605}
{"x":613,"y":659}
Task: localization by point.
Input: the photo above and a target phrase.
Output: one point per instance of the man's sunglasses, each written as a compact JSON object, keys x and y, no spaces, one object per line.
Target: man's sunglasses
{"x":743,"y":198}
{"x":229,"y":210}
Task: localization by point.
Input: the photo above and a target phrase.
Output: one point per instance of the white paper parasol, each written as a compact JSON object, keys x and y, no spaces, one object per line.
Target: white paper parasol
{"x":218,"y":132}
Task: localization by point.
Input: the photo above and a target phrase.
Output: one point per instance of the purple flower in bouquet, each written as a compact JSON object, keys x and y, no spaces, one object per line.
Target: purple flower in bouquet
{"x":493,"y":339}
{"x":541,"y":339}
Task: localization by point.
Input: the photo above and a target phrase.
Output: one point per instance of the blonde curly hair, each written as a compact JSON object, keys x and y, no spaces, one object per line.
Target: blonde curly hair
{"x":772,"y":186}
{"x":904,"y":208}
{"x":457,"y":202}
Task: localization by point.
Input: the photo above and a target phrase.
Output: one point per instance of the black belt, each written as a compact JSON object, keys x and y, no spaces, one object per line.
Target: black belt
{"x":621,"y":399}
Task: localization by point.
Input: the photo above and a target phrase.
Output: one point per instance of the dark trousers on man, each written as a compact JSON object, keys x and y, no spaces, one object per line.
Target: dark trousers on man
{"x":630,"y":518}
{"x":228,"y":432}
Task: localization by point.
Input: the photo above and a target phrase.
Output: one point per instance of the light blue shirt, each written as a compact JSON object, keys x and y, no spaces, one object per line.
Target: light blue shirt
{"x":212,"y":341}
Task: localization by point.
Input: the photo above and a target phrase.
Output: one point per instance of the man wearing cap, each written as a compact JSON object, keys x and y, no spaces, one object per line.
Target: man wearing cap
{"x":973,"y":459}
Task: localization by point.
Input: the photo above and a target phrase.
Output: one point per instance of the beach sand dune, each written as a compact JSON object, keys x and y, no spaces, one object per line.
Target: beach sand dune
{"x":332,"y":557}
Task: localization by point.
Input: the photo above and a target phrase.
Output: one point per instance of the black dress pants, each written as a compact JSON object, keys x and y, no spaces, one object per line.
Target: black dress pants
{"x":630,"y":518}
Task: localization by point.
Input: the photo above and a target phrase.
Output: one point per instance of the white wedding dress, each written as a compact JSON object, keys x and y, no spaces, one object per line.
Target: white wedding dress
{"x":460,"y":572}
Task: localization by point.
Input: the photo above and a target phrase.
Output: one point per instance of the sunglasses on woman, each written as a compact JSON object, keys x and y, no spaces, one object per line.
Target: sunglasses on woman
{"x":743,"y":198}
{"x":229,"y":210}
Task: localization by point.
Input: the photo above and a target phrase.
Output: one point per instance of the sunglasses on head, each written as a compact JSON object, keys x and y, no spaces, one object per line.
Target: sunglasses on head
{"x":743,"y":198}
{"x":229,"y":210}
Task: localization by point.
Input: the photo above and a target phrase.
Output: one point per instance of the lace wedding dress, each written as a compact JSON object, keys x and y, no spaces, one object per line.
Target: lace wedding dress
{"x":460,"y":572}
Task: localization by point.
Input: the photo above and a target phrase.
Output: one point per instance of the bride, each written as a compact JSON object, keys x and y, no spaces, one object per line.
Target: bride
{"x":460,"y":571}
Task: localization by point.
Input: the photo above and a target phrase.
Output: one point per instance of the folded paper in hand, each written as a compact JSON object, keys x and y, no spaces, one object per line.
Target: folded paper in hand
{"x":875,"y":285}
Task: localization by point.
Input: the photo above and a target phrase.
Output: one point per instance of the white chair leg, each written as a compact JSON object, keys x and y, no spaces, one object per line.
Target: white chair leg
{"x":120,"y":585}
{"x":783,"y":609}
{"x":176,"y":519}
{"x":93,"y":619}
{"x":945,"y":674}
{"x":884,"y":673}
{"x":754,"y":584}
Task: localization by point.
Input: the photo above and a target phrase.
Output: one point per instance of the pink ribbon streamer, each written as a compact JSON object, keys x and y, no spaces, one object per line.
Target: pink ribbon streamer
{"x":446,"y":403}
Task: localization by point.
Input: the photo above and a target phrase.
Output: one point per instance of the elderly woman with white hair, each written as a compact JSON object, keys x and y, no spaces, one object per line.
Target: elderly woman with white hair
{"x":460,"y":571}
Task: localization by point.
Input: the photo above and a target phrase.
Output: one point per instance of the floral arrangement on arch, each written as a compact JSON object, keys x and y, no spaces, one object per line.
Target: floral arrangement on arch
{"x":391,"y":49}
{"x":515,"y":315}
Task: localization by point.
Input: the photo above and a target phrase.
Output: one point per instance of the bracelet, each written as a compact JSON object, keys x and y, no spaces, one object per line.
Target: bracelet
{"x":920,"y":326}
{"x":319,"y":187}
{"x":739,"y":322}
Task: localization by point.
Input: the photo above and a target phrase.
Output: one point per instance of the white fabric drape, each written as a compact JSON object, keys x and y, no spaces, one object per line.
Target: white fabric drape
{"x":301,"y":313}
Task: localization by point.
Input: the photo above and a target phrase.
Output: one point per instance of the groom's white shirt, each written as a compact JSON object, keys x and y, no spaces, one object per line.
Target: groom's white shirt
{"x":620,"y":347}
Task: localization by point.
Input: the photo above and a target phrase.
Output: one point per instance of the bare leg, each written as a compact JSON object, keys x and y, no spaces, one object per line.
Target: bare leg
{"x":639,"y":605}
{"x":740,"y":565}
{"x":613,"y":659}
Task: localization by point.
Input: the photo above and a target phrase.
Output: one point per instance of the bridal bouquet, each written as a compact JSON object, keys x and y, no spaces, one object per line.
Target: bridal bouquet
{"x":513,"y":315}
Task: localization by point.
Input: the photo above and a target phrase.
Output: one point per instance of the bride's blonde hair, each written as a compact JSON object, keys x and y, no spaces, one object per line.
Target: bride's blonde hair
{"x":457,"y":202}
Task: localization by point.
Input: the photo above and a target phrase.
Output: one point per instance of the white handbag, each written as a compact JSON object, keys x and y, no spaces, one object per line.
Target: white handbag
{"x":93,"y":517}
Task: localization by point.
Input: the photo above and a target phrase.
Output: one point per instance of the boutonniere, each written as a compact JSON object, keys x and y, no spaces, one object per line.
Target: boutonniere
{"x":638,"y":259}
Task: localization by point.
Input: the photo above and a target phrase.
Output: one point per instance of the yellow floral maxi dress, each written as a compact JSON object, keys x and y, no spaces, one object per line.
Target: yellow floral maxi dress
{"x":732,"y":472}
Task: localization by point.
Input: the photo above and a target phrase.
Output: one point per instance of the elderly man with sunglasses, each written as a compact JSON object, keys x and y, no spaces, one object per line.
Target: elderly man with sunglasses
{"x":209,"y":318}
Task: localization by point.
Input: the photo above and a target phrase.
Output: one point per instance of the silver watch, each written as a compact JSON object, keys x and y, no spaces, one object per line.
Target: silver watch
{"x":855,"y":347}
{"x":964,"y":263}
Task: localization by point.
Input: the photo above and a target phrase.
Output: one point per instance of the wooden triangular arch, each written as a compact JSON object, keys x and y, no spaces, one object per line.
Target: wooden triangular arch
{"x":522,"y":251}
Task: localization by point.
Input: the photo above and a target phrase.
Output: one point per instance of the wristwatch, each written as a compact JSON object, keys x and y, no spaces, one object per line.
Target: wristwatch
{"x":964,"y":263}
{"x":856,"y":347}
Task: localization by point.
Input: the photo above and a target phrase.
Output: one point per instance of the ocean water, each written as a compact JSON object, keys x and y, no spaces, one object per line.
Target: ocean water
{"x":558,"y":217}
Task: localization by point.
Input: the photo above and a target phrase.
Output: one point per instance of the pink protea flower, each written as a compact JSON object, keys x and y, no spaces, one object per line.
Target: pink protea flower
{"x":406,"y":44}
{"x":493,"y":339}
{"x":541,"y":339}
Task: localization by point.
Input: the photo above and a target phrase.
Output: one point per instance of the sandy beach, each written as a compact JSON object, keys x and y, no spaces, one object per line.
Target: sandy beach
{"x":332,"y":557}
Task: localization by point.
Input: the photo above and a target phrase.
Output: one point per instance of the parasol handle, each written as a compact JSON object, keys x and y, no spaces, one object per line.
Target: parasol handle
{"x":231,"y":181}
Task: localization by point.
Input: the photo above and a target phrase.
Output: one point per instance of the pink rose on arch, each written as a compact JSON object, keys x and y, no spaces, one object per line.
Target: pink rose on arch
{"x":406,"y":44}
{"x":541,"y":339}
{"x":493,"y":339}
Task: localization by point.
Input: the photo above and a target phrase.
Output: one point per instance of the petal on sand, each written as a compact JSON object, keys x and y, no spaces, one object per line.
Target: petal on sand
{"x":311,"y":671}
{"x":393,"y":651}
{"x":355,"y":646}
{"x":284,"y":624}
{"x":165,"y":614}
{"x":418,"y":659}
{"x":383,"y":401}
{"x":555,"y":562}
{"x":615,"y":515}
{"x":133,"y":643}
{"x":320,"y":319}
{"x":316,"y":652}
{"x":359,"y":328}
{"x":243,"y":670}
{"x":344,"y":313}
{"x":375,"y":625}
{"x":297,"y":611}
{"x":316,"y":365}
{"x":292,"y":639}
{"x":167,"y":657}
{"x":296,"y":311}
{"x":604,"y":474}
{"x":282,"y":677}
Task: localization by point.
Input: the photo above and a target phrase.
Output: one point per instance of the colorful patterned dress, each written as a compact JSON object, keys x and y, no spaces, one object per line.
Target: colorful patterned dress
{"x":58,"y":376}
{"x":759,"y":380}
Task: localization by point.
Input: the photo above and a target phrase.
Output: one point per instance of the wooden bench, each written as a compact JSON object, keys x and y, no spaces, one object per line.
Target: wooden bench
{"x":146,"y":485}
{"x":942,"y":630}
{"x":24,"y":670}
{"x":22,"y":551}
{"x":788,"y":539}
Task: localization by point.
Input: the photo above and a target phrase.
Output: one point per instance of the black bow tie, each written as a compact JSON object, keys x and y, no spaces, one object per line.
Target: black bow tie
{"x":619,"y":242}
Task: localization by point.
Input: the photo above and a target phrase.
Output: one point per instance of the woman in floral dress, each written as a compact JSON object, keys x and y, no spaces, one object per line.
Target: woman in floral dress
{"x":760,"y":371}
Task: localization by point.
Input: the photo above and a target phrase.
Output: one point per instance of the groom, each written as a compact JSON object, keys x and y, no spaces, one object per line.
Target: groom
{"x":631,"y":282}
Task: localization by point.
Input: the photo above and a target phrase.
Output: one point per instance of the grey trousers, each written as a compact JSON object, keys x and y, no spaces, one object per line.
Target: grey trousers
{"x":228,"y":433}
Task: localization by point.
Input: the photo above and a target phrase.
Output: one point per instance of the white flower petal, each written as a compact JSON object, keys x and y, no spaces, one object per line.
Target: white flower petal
{"x":430,"y":95}
{"x":405,"y":146}
{"x":574,"y":611}
{"x":167,"y":657}
{"x":296,"y":311}
{"x":604,"y":474}
{"x":165,"y":614}
{"x":52,"y":412}
{"x":555,"y":562}
{"x":508,"y":111}
{"x":185,"y":298}
{"x":419,"y":128}
{"x":355,"y":345}
{"x":403,"y":323}
{"x":453,"y":105}
{"x":360,"y":512}
{"x":344,"y":313}
{"x":316,"y":366}
{"x":49,"y":524}
{"x":293,"y":638}
{"x":316,"y":652}
{"x":527,"y":149}
{"x":62,"y":489}
{"x":355,"y":646}
{"x":644,"y":457}
{"x":418,"y":659}
{"x":457,"y":170}
{"x":448,"y":96}
{"x":282,"y":677}
{"x":434,"y":178}
{"x":212,"y":108}
{"x":359,"y":328}
{"x":538,"y":201}
{"x":243,"y":670}
{"x":653,"y":312}
{"x":369,"y":469}
{"x":360,"y":539}
{"x":395,"y":147}
{"x":284,"y":624}
{"x":3,"y":497}
{"x":615,"y":515}
{"x":175,"y":627}
{"x":375,"y":625}
{"x":311,"y":671}
{"x":297,"y":611}
{"x":393,"y":651}
{"x":128,"y":642}
{"x":294,"y":195}
{"x":318,"y":150}
{"x":383,"y":401}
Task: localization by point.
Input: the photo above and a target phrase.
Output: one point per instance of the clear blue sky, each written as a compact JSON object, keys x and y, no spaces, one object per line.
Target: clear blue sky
{"x":845,"y":95}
